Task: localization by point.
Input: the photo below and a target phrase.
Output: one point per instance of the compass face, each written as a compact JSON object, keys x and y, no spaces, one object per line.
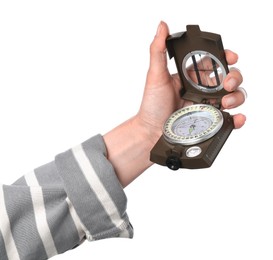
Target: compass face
{"x":193,"y":124}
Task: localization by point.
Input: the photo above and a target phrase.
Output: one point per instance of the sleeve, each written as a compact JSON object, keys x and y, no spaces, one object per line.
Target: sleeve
{"x":59,"y":205}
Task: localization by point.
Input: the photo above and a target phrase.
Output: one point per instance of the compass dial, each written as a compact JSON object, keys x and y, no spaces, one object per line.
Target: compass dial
{"x":193,"y":124}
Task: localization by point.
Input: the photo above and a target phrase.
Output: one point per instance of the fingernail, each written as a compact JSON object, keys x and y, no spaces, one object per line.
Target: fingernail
{"x":232,"y":84}
{"x":159,"y":29}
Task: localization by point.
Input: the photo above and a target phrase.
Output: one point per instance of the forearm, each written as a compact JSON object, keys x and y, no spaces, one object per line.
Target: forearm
{"x":128,"y":148}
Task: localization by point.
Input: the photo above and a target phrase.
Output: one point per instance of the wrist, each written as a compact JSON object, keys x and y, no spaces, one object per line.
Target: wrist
{"x":150,"y":132}
{"x":128,"y":148}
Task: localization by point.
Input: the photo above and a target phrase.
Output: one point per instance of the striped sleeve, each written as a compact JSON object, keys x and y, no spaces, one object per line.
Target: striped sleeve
{"x":61,"y":204}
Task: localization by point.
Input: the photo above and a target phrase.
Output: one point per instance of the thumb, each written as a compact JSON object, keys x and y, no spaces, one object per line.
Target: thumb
{"x":158,"y":59}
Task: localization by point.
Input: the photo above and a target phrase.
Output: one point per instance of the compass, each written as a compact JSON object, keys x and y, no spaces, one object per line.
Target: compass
{"x":194,"y":135}
{"x":193,"y":124}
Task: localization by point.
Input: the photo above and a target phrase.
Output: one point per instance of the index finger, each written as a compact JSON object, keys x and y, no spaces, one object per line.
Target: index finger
{"x":231,"y":57}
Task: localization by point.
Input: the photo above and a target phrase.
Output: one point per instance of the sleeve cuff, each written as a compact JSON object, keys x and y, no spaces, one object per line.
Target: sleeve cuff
{"x":94,"y":190}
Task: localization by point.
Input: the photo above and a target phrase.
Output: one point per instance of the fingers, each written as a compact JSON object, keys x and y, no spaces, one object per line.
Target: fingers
{"x":233,"y":99}
{"x":231,"y":83}
{"x":233,"y":80}
{"x":239,"y":120}
{"x":158,"y":57}
{"x":231,"y":57}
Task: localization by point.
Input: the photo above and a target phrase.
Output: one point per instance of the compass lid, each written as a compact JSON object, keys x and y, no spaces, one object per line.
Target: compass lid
{"x":201,"y":64}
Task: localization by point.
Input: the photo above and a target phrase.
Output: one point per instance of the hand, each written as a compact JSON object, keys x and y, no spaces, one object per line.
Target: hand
{"x":161,"y":94}
{"x":129,"y":144}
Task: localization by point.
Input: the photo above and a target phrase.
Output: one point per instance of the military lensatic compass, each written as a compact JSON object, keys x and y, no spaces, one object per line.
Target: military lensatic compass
{"x":194,"y":135}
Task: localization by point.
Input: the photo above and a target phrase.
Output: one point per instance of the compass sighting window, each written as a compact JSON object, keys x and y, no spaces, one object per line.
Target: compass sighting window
{"x":204,"y":71}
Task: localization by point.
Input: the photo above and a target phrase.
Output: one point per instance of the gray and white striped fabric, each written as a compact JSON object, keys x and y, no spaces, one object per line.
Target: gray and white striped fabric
{"x":61,"y":204}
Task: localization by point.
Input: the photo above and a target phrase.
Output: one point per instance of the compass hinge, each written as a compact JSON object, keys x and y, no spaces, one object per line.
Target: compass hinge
{"x":213,"y":102}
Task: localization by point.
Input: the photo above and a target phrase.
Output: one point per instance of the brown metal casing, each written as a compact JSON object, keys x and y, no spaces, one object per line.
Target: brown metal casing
{"x":210,"y":149}
{"x":174,"y":155}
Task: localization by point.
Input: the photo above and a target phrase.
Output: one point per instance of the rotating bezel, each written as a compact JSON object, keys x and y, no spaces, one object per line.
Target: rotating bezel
{"x":214,"y":115}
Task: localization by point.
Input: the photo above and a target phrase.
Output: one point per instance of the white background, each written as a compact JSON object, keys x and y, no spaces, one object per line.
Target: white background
{"x":72,"y":69}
